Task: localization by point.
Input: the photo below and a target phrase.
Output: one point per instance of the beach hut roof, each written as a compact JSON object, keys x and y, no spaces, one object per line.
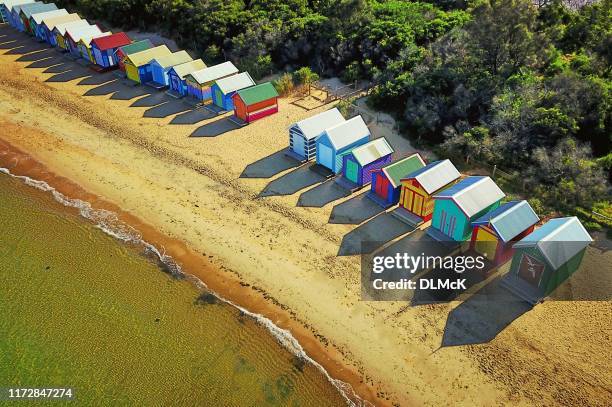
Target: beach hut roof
{"x":111,"y":41}
{"x":52,"y":22}
{"x":558,"y":240}
{"x":372,"y":151}
{"x":146,"y":56}
{"x":473,"y":194}
{"x":176,"y":58}
{"x":11,"y":4}
{"x":88,"y":39}
{"x":235,"y":82}
{"x":86,"y":31}
{"x":185,"y":69}
{"x":258,"y":93}
{"x":63,"y":27}
{"x":39,"y":17}
{"x":435,"y":175}
{"x":214,"y":72}
{"x":348,"y":132}
{"x":32,"y":8}
{"x":403,"y":167}
{"x":137,"y":46}
{"x":510,"y":219}
{"x":315,"y":125}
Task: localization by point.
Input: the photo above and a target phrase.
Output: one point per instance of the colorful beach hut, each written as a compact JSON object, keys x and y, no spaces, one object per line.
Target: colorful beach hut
{"x":199,"y":82}
{"x":303,"y":135}
{"x":456,"y":207}
{"x":6,"y":8}
{"x":358,"y":164}
{"x":495,"y":232}
{"x":74,"y":34}
{"x":122,"y":52}
{"x":178,"y":73}
{"x":223,"y":89}
{"x":340,"y":139}
{"x":547,"y":257}
{"x":255,"y":103}
{"x":29,"y":9}
{"x":386,"y":181}
{"x":103,"y":49}
{"x":59,"y":32}
{"x":161,"y":65}
{"x":84,"y":46}
{"x":16,"y":14}
{"x":37,"y":19}
{"x":416,"y":201}
{"x":49,"y":25}
{"x":138,"y":65}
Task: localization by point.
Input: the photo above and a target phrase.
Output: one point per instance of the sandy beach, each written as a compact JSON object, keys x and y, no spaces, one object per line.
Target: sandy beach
{"x":277,"y":239}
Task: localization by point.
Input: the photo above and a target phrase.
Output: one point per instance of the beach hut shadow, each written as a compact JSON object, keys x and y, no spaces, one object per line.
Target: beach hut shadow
{"x":216,"y":128}
{"x":483,"y":316}
{"x":61,"y":66}
{"x":322,"y":194}
{"x":150,"y":100}
{"x":46,"y":62}
{"x":192,"y":117}
{"x":125,"y":92}
{"x":98,"y":79}
{"x":373,"y":234}
{"x":39,"y":54}
{"x":291,"y":182}
{"x":269,"y":166}
{"x":69,"y":75}
{"x":166,"y":109}
{"x":355,"y":210}
{"x":8,"y":43}
{"x":107,"y":88}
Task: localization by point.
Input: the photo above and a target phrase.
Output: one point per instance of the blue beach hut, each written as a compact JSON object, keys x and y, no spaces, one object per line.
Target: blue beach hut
{"x":338,"y":141}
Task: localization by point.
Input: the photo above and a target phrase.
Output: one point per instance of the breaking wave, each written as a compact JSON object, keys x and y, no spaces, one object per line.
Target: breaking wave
{"x":109,"y":223}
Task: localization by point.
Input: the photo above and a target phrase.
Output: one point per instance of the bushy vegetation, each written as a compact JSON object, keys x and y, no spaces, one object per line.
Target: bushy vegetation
{"x":518,"y":83}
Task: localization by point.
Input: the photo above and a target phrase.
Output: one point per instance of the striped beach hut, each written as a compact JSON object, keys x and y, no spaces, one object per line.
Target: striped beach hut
{"x":387,"y":181}
{"x":178,"y":73}
{"x":256,"y":102}
{"x":6,"y":8}
{"x":16,"y":14}
{"x":161,"y":65}
{"x":32,"y":8}
{"x":358,"y":164}
{"x":416,"y":201}
{"x":223,"y":89}
{"x":199,"y":82}
{"x":303,"y":135}
{"x":37,"y":19}
{"x":547,"y":257}
{"x":339,"y":140}
{"x":59,"y":32}
{"x":495,"y":232}
{"x":456,"y":207}
{"x":84,"y":46}
{"x":138,"y":65}
{"x":74,"y":34}
{"x":103,"y":49}
{"x":122,"y":52}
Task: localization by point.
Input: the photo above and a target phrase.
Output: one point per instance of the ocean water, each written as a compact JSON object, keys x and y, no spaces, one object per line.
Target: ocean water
{"x":80,"y":309}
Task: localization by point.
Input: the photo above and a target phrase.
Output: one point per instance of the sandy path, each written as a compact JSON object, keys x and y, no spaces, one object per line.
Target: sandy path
{"x":233,"y":196}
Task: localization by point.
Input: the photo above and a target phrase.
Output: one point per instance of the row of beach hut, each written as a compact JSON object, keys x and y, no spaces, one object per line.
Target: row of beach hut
{"x":220,"y":87}
{"x":460,"y":208}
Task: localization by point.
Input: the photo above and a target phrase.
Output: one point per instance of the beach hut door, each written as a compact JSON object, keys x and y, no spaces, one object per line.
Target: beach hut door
{"x":218,"y":98}
{"x":531,"y":270}
{"x":382,"y":186}
{"x":325,"y":156}
{"x":352,"y":170}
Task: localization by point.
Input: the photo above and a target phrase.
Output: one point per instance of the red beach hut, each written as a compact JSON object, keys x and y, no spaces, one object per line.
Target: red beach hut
{"x":256,"y":102}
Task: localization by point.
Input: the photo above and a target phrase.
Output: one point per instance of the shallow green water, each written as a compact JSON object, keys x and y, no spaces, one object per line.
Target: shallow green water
{"x":80,"y":309}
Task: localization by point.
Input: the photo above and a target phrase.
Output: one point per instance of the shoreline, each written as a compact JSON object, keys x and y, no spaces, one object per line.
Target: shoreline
{"x":220,"y":283}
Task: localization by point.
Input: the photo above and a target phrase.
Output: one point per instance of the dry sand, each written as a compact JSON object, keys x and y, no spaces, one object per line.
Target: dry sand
{"x":234,"y":200}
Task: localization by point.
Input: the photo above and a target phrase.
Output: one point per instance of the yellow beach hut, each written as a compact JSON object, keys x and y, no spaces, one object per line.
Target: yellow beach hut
{"x":138,"y":65}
